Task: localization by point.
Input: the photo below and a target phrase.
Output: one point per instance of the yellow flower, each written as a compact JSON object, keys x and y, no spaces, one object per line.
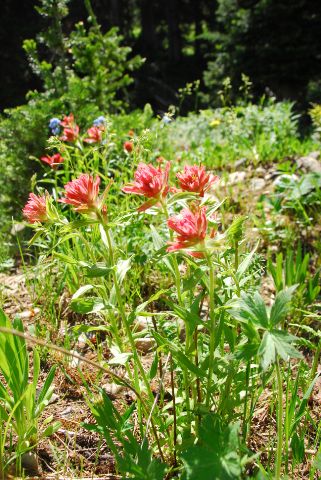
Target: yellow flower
{"x":215,"y":122}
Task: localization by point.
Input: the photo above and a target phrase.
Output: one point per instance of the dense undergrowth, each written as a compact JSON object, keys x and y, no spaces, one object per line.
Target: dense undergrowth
{"x":165,"y":266}
{"x":172,"y":270}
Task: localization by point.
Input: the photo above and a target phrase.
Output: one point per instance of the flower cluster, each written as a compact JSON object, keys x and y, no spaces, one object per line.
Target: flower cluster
{"x":150,"y":182}
{"x":82,"y":193}
{"x":71,"y":129}
{"x":35,"y":209}
{"x":53,"y":161}
{"x":191,"y":224}
{"x":191,"y":227}
{"x":196,"y":179}
{"x":54,"y":126}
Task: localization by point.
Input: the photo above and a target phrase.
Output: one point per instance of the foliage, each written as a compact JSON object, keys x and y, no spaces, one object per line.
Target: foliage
{"x":89,"y":80}
{"x":21,"y":405}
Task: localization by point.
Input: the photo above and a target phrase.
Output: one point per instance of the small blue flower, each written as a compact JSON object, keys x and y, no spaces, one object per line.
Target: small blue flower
{"x":54,"y":125}
{"x":166,"y":119}
{"x":99,"y":121}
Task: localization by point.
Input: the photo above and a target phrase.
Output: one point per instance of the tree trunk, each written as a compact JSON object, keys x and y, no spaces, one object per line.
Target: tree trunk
{"x":174,"y":33}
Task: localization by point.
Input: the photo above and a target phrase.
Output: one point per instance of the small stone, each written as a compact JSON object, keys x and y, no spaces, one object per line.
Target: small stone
{"x":113,"y":389}
{"x":67,"y":412}
{"x":29,"y":313}
{"x":285,"y":177}
{"x":240,"y":162}
{"x":257,"y":184}
{"x":310,"y":163}
{"x":145,"y":345}
{"x":53,"y":399}
{"x":260,"y":171}
{"x":29,"y":463}
{"x":234,"y":178}
{"x":74,"y":361}
{"x":143,"y":323}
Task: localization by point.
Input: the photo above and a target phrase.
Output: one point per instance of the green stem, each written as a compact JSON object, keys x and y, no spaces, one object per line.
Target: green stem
{"x":174,"y":411}
{"x":247,"y":377}
{"x":125,"y":322}
{"x":315,"y":361}
{"x":212,"y":330}
{"x":278,"y":458}
{"x":236,"y":259}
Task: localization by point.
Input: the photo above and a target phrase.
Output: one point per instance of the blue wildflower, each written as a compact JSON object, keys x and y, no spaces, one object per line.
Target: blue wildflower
{"x":166,"y":119}
{"x":99,"y":121}
{"x":54,"y":126}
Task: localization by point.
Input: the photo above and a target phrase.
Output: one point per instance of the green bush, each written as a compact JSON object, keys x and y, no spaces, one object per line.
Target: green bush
{"x":88,"y":74}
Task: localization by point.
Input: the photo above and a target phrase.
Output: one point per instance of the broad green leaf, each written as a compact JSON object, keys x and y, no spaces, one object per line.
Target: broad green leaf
{"x":181,"y":358}
{"x":81,"y":291}
{"x":244,"y":265}
{"x":281,"y":305}
{"x":88,"y":305}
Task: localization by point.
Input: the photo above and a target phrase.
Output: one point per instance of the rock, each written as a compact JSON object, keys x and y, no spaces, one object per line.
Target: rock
{"x":143,"y":323}
{"x":145,"y":345}
{"x":53,"y":399}
{"x":28,"y":313}
{"x":257,"y":184}
{"x":261,"y":172}
{"x":285,"y":178}
{"x":310,"y":163}
{"x":74,"y":362}
{"x":67,"y":412}
{"x":29,"y":463}
{"x":234,"y":178}
{"x":240,"y":162}
{"x":113,"y":389}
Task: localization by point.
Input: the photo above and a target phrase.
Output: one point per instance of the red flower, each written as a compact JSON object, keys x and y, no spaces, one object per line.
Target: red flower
{"x":68,"y":120}
{"x":191,"y":228}
{"x":35,"y":209}
{"x":53,"y":161}
{"x":95,"y":135}
{"x":195,"y":179}
{"x":83,"y":193}
{"x":151,"y":182}
{"x":128,"y":146}
{"x":71,"y":129}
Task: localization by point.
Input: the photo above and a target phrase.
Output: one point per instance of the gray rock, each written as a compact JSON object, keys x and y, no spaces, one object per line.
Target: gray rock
{"x":145,"y":345}
{"x":113,"y":389}
{"x":235,"y":177}
{"x":240,"y":162}
{"x":257,"y":184}
{"x":310,"y":163}
{"x":29,"y":461}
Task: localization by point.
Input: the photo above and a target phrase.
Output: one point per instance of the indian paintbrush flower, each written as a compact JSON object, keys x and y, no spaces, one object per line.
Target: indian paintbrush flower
{"x":128,"y":146}
{"x":71,"y":129}
{"x":53,"y":160}
{"x":196,"y":179}
{"x":35,"y":209}
{"x":151,"y":182}
{"x":83,"y":193}
{"x":191,"y":227}
{"x":94,"y":135}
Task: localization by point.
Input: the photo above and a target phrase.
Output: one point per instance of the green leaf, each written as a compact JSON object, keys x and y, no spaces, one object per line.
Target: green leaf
{"x":281,"y":304}
{"x":244,"y":265}
{"x":276,"y":342}
{"x":88,"y":305}
{"x":217,"y":454}
{"x":81,"y":291}
{"x":179,"y":355}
